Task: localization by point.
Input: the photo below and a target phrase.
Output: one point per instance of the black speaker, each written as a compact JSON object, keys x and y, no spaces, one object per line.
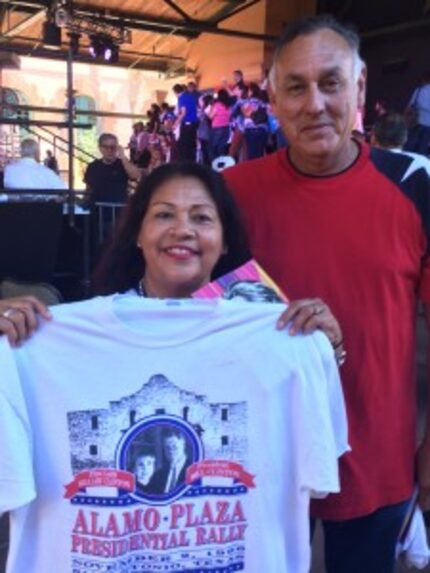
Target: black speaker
{"x":51,"y":35}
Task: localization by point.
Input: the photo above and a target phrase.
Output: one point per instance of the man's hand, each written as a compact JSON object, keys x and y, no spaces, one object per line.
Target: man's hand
{"x":18,"y":317}
{"x":133,"y":172}
{"x":423,"y":471}
{"x":121,"y":153}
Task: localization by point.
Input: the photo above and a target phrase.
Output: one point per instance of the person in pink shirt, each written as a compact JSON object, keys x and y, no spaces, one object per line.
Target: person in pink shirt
{"x":220,"y":131}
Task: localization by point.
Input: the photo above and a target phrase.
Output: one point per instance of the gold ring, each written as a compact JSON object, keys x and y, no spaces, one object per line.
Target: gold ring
{"x":7,"y":312}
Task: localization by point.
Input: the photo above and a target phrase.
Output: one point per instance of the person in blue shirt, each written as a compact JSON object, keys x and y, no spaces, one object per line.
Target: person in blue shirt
{"x":187,"y":121}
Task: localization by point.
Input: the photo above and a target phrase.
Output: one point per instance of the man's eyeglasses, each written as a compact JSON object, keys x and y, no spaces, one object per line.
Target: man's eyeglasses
{"x":106,"y":146}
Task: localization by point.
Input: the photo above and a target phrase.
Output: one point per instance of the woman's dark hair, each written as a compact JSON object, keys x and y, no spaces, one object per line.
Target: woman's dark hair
{"x":122,"y":265}
{"x":223,"y":97}
{"x":207,"y":99}
{"x":254,"y":90}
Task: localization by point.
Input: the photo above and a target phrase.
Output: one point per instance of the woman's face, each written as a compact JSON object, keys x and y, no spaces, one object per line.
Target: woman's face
{"x":181,"y":238}
{"x":144,"y":469}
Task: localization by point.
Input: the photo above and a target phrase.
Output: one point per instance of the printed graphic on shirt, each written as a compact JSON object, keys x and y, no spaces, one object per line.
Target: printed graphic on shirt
{"x":160,"y":483}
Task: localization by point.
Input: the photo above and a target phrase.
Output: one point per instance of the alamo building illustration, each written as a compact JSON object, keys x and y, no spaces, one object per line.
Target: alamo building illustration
{"x":95,"y":434}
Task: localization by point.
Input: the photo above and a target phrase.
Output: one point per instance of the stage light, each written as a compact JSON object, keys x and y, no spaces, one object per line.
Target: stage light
{"x":111,"y":53}
{"x":51,"y":35}
{"x":97,"y":47}
{"x":104,"y":48}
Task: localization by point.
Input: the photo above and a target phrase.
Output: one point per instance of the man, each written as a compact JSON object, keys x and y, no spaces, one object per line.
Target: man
{"x":330,"y":217}
{"x":51,"y":162}
{"x":28,"y":173}
{"x":187,"y":121}
{"x":107,"y":178}
{"x":172,"y":474}
{"x":390,"y":132}
{"x":107,"y":182}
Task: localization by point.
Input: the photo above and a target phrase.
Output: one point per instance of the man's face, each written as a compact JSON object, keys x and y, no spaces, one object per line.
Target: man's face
{"x":174,"y":447}
{"x":316,"y":96}
{"x":109,"y":150}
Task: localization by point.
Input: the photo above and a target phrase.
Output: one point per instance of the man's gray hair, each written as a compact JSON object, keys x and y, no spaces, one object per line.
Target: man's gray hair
{"x":29,"y":148}
{"x":311,"y":25}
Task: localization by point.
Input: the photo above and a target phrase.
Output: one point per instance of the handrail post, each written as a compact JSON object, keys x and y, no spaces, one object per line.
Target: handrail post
{"x":70,"y":119}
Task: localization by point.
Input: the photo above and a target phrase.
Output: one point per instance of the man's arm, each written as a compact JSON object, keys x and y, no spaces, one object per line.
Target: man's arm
{"x":132,"y":171}
{"x":423,"y":455}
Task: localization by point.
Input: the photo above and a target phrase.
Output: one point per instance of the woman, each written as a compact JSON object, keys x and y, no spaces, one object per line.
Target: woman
{"x":220,"y":130}
{"x":249,"y":420}
{"x":144,"y":468}
{"x":182,"y":229}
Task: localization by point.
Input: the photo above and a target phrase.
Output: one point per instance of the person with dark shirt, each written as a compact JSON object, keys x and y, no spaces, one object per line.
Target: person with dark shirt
{"x":188,"y":121}
{"x":172,"y":474}
{"x":107,"y":178}
{"x":107,"y":181}
{"x":51,"y":162}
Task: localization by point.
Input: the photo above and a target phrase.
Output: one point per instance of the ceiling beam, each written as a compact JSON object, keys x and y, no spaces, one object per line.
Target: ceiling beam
{"x":226,"y":13}
{"x":178,"y":9}
{"x":150,"y":63}
{"x":24,"y":24}
{"x":139,"y":21}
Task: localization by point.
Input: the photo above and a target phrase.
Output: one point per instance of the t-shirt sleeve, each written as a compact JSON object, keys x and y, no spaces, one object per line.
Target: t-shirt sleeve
{"x":17,"y":486}
{"x":323,"y":423}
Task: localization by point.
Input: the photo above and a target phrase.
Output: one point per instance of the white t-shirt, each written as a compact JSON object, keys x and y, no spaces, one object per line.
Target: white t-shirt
{"x":26,"y":173}
{"x":258,"y":414}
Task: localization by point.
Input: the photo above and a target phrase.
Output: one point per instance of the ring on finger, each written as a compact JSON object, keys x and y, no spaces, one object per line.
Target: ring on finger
{"x":317,"y":309}
{"x":7,"y":313}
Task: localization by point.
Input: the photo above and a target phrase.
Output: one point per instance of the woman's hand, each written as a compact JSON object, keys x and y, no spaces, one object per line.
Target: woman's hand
{"x":18,"y":317}
{"x":309,"y":314}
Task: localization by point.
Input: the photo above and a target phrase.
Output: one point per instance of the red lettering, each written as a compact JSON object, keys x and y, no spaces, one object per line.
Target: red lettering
{"x":81,"y":523}
{"x":177,"y":511}
{"x":151,"y":519}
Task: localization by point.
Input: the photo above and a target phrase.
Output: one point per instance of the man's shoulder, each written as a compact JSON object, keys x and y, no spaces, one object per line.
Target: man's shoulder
{"x":17,"y":164}
{"x":95,"y":163}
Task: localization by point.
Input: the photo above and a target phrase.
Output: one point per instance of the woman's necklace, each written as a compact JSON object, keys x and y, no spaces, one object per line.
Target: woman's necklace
{"x":141,"y":289}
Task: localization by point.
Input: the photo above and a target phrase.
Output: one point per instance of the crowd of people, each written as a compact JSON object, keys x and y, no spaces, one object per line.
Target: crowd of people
{"x":342,"y":227}
{"x":235,"y":119}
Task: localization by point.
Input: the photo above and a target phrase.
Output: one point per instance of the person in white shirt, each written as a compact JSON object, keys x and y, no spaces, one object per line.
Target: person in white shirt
{"x":245,"y":422}
{"x":28,"y":173}
{"x":390,"y":132}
